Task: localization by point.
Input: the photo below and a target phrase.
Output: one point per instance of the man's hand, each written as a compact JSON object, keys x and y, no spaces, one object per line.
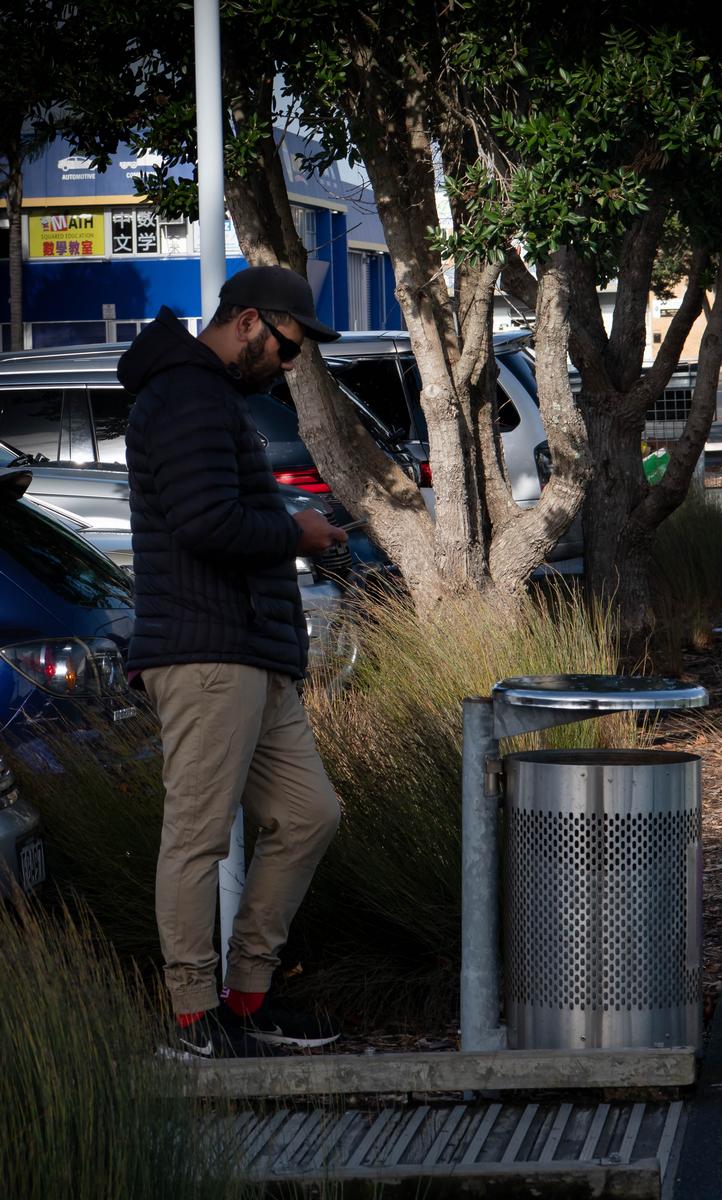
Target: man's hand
{"x":317,"y":534}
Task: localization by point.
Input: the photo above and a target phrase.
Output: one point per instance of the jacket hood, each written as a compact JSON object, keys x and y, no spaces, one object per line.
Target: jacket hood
{"x":163,"y":344}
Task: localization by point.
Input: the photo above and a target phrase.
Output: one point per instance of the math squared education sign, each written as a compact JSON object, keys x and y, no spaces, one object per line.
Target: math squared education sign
{"x":66,"y":235}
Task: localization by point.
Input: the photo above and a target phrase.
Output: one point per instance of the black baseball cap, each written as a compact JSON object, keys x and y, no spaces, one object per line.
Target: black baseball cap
{"x":280,"y":290}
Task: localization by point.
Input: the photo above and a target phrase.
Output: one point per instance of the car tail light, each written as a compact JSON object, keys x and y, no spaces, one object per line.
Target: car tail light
{"x":69,"y":667}
{"x":306,"y":478}
{"x":543,"y":460}
{"x":424,"y":474}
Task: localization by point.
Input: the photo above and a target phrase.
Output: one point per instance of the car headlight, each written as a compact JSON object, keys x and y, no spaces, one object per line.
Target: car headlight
{"x":68,"y":666}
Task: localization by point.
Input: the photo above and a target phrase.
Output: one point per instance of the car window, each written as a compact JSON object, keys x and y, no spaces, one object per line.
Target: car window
{"x":275,"y":418}
{"x":30,"y":419}
{"x":507,"y":416}
{"x":377,"y":382}
{"x":63,"y":562}
{"x":111,"y":412}
{"x":506,"y":411}
{"x":8,"y":454}
{"x":522,"y":368}
{"x":76,"y":439}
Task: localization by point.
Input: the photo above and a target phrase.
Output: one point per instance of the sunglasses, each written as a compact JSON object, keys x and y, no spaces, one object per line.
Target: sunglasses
{"x":288,"y":350}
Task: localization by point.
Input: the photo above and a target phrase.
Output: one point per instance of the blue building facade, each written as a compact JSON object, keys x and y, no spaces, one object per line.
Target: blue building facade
{"x":98,"y":263}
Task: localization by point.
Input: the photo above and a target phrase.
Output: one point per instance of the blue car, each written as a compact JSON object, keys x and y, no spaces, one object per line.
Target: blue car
{"x":66,"y":614}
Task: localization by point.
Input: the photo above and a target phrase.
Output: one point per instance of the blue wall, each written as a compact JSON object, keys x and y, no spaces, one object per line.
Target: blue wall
{"x":77,"y":291}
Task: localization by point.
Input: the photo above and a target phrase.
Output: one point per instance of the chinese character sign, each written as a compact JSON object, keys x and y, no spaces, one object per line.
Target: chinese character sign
{"x":146,"y":232}
{"x":122,"y":226}
{"x":66,"y":235}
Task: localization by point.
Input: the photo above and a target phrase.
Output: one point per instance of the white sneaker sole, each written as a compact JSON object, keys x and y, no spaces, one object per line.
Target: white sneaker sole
{"x":168,"y":1053}
{"x":277,"y":1039}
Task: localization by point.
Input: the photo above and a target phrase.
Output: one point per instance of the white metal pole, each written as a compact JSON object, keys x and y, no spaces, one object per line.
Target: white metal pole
{"x":212,"y":214}
{"x":209,"y":117}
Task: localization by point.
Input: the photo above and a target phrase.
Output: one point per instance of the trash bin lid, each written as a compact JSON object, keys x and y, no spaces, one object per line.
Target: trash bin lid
{"x":598,"y":693}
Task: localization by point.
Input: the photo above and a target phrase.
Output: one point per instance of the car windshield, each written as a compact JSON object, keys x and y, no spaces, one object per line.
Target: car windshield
{"x":57,"y":558}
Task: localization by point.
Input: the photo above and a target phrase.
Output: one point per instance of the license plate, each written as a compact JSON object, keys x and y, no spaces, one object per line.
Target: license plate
{"x":124,"y":714}
{"x":32,"y":864}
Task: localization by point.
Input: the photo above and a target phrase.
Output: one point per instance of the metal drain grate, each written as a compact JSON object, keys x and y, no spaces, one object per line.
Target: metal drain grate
{"x":454,"y":1140}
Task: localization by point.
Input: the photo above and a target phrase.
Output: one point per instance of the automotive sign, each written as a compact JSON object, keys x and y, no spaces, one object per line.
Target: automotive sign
{"x":66,"y":235}
{"x":59,"y":172}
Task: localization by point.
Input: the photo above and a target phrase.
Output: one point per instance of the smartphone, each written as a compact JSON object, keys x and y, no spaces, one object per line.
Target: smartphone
{"x":353,"y":525}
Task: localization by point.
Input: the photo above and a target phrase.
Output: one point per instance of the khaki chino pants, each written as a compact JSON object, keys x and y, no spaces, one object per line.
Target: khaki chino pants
{"x":233,"y":733}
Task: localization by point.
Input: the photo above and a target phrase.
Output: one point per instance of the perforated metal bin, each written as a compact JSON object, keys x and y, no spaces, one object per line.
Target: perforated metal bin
{"x":602,"y":912}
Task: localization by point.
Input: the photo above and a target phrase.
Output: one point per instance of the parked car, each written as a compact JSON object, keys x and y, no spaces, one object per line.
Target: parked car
{"x":66,"y":614}
{"x":328,"y":612}
{"x":22,"y":852}
{"x":380,"y":369}
{"x":67,"y":405}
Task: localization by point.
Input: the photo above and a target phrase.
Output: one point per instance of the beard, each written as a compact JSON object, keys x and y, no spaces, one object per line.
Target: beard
{"x":249,"y":361}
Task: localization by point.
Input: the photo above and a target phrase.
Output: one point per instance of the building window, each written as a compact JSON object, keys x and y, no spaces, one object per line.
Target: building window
{"x":358,"y":290}
{"x":139,"y":231}
{"x":134,"y":231}
{"x":174,"y":238}
{"x":67,"y":333}
{"x":304,"y":220}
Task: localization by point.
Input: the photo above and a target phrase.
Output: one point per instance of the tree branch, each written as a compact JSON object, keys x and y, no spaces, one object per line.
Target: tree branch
{"x":653,"y":383}
{"x":517,"y":280}
{"x":529,"y":538}
{"x":479,"y":381}
{"x":473,"y":318}
{"x":588,"y":339}
{"x":668,"y":494}
{"x":626,"y":341}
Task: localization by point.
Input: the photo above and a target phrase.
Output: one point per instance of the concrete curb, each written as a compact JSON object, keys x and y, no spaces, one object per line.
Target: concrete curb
{"x":522,"y":1070}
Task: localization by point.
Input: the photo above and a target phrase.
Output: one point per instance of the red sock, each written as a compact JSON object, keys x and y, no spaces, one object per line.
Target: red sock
{"x":186,"y":1019}
{"x":243,"y":1003}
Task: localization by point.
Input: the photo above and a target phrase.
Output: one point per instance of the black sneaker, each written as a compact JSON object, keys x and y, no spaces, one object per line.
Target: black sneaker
{"x":209,"y":1038}
{"x":275,"y":1025}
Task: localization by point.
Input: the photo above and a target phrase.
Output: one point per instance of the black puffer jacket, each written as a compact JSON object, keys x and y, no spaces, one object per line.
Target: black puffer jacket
{"x":213,"y":545}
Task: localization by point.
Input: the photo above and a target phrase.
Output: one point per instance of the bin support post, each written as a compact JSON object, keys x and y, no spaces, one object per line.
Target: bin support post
{"x":480,"y":968}
{"x":231,"y":877}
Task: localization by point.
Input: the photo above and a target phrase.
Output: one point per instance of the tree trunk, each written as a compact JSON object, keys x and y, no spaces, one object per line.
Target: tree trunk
{"x":367,"y":482}
{"x":614,"y":401}
{"x":616,"y":557}
{"x":14,"y":197}
{"x":523,"y":538}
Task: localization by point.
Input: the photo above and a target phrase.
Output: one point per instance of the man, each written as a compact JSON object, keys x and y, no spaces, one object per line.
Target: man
{"x":219,"y":642}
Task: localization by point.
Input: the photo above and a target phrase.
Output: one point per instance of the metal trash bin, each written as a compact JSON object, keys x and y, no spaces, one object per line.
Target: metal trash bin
{"x":602,"y":911}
